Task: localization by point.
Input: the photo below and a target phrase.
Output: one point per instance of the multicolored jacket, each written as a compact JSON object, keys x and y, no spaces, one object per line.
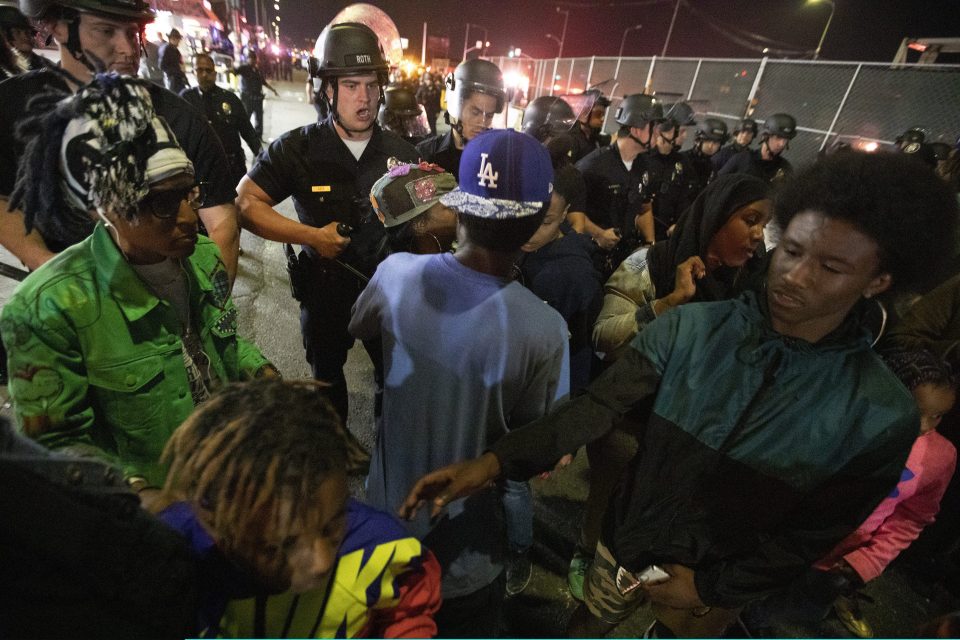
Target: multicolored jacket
{"x":95,"y":358}
{"x":385,"y":585}
{"x":758,"y":452}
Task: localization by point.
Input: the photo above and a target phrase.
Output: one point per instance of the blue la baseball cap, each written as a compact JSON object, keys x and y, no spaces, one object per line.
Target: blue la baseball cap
{"x":503,"y":174}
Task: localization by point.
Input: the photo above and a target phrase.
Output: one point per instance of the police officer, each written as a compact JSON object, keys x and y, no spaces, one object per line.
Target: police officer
{"x":403,"y":115}
{"x":475,"y":94}
{"x":252,"y":83}
{"x":328,"y":168}
{"x":706,"y":143}
{"x":616,"y":189}
{"x":681,"y":113}
{"x":548,"y":116}
{"x":743,"y":135}
{"x":225,"y":113}
{"x":95,"y":36}
{"x":588,"y":134}
{"x":20,"y":34}
{"x":767,"y":162}
{"x":669,"y":176}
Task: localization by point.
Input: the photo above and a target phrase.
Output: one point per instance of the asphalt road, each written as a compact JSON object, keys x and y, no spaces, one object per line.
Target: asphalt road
{"x":270,"y":317}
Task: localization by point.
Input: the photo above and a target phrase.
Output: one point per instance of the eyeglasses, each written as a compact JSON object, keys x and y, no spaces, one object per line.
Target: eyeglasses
{"x":166,"y":204}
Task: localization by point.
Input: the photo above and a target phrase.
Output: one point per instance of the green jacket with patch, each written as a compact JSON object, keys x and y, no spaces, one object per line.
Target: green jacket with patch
{"x":95,"y":358}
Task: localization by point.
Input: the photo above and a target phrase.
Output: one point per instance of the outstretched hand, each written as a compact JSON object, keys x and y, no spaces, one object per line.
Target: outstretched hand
{"x":449,"y":483}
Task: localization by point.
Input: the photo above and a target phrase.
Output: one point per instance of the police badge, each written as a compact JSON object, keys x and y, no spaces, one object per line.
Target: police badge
{"x":225,"y":108}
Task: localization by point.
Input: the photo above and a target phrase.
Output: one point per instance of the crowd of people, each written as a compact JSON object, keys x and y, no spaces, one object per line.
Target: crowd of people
{"x":756,"y":359}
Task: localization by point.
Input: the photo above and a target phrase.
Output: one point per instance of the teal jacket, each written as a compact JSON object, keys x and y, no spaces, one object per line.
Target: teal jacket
{"x":95,"y":358}
{"x":758,"y":452}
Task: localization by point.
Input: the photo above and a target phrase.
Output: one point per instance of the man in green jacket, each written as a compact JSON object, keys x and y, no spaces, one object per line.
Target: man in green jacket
{"x":112,"y":343}
{"x":768,"y":429}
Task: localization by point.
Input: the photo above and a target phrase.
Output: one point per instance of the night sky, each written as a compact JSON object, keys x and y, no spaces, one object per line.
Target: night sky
{"x":868,"y":30}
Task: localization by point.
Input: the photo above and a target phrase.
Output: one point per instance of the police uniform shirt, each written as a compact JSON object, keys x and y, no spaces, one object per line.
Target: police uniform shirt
{"x":194,"y":134}
{"x":615,"y":194}
{"x":313,"y":166}
{"x":751,"y":163}
{"x":569,"y":183}
{"x":251,"y":80}
{"x":226,"y":115}
{"x":702,"y":171}
{"x":441,"y":150}
{"x":582,"y":145}
{"x":723,"y":156}
{"x":669,"y":179}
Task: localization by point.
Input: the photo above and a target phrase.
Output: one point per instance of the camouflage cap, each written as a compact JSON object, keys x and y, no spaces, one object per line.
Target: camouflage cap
{"x":407,"y":190}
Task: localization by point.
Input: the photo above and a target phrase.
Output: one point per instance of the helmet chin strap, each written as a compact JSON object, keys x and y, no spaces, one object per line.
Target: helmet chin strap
{"x":644,"y":145}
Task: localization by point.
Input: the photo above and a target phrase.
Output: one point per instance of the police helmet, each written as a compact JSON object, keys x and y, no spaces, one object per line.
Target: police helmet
{"x":11,"y":18}
{"x":912,"y":135}
{"x":401,"y":101}
{"x":637,"y":110}
{"x":546,"y":116}
{"x":138,"y":10}
{"x":713,"y":129}
{"x":474,"y":76}
{"x":782,"y":125}
{"x":747,"y":124}
{"x":681,"y":113}
{"x":349,"y":49}
{"x":941,"y":150}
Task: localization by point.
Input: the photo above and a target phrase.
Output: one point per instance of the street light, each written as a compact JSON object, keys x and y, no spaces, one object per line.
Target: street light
{"x":466,"y":37}
{"x":557,"y":40}
{"x":481,"y":46}
{"x":623,"y":40}
{"x":823,"y":36}
{"x":563,"y":34}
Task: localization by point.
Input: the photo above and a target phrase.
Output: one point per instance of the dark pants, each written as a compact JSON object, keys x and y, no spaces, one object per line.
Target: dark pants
{"x":477,"y":615}
{"x":324,"y":316}
{"x":177,"y":82}
{"x":254,"y":106}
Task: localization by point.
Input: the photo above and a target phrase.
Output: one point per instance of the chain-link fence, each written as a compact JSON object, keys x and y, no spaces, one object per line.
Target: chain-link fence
{"x":859,"y":103}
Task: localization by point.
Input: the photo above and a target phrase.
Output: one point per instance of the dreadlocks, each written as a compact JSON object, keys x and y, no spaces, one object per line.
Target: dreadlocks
{"x":920,"y":366}
{"x":254,"y":452}
{"x":120,"y":112}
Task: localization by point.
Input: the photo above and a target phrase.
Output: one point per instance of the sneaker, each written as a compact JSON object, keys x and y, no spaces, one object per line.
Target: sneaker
{"x":849,"y":613}
{"x":577,"y":572}
{"x":519,"y":571}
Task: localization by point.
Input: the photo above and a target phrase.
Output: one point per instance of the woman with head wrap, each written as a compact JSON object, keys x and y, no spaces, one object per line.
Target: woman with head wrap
{"x":112,"y":343}
{"x":717,"y":241}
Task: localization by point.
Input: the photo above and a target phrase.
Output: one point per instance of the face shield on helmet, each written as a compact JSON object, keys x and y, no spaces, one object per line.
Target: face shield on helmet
{"x":470,"y":77}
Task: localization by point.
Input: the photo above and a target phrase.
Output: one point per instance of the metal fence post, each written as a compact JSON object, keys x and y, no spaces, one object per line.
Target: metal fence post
{"x":646,"y":86}
{"x":616,"y":73}
{"x":693,"y":82}
{"x":570,"y":74}
{"x":589,"y":73}
{"x":840,"y":108}
{"x":756,"y":85}
{"x":553,"y":78}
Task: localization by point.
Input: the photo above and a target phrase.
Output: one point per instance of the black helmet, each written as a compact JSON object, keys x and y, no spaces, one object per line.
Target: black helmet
{"x":747,"y":124}
{"x":401,"y":101}
{"x":941,"y":150}
{"x":913,"y":135}
{"x":713,"y":129}
{"x":546,"y":116}
{"x":782,"y":125}
{"x":138,"y":10}
{"x":637,"y":110}
{"x":681,"y":113}
{"x":11,"y":18}
{"x":348,"y":49}
{"x":474,"y":76}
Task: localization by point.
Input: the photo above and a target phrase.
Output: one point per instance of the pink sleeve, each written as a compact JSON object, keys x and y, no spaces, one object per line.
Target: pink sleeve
{"x":911,"y":515}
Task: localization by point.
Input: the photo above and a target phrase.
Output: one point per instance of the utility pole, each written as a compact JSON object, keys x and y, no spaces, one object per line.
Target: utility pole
{"x":563,"y":35}
{"x":423,"y":52}
{"x":676,"y":9}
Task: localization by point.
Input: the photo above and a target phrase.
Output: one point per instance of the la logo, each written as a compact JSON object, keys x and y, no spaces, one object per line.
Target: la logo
{"x":488,"y":177}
